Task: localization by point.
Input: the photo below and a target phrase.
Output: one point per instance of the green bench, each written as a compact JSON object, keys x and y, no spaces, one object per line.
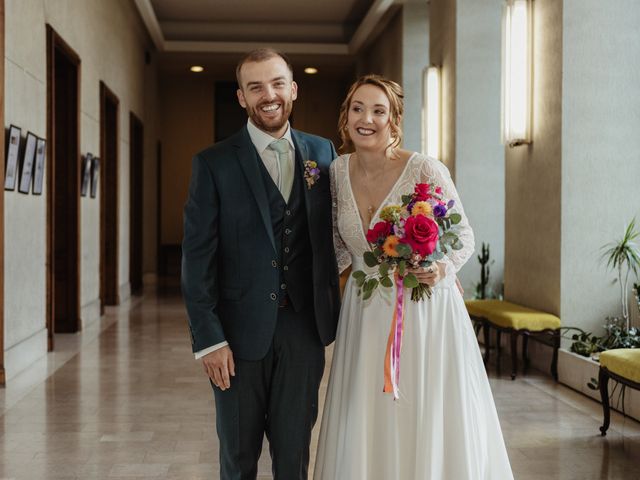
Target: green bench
{"x":516,"y":320}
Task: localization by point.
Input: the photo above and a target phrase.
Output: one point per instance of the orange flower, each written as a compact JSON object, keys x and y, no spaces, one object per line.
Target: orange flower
{"x":422,"y":208}
{"x":389,"y":246}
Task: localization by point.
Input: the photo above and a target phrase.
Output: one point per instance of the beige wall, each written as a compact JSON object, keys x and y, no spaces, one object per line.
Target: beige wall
{"x":110,"y":41}
{"x":600,"y":145}
{"x":534,"y":177}
{"x":187,"y":126}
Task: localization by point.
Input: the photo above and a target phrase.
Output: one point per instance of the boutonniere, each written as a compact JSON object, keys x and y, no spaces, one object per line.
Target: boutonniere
{"x":311,"y":173}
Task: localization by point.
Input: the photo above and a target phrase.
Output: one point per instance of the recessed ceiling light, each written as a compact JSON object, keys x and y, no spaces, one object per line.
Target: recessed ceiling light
{"x":197,"y":69}
{"x":311,"y":70}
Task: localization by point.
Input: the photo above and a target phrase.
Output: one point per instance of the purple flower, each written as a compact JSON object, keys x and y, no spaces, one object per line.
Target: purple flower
{"x":439,"y":210}
{"x":450,"y":204}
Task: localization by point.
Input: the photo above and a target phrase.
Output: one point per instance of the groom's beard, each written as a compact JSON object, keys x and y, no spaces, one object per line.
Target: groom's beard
{"x":266,"y":124}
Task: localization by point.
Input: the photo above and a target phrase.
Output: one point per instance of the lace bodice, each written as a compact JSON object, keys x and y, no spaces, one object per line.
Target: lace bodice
{"x":348,"y":233}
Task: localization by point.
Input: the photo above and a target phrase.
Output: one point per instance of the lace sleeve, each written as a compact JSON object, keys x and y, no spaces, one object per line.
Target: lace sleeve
{"x":434,"y":171}
{"x":343,"y":257}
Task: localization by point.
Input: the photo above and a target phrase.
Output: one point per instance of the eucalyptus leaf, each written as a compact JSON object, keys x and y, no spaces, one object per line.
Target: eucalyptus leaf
{"x":386,"y":282}
{"x":403,"y":249}
{"x":410,"y":281}
{"x":383,"y":269}
{"x":367,"y":294}
{"x":455,"y":218}
{"x":402,"y":267}
{"x":370,"y":259}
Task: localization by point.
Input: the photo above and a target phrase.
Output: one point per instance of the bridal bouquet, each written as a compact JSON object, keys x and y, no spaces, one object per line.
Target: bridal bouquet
{"x":415,"y":234}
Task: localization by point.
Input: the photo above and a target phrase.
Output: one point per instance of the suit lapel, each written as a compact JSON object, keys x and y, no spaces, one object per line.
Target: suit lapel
{"x":248,"y":159}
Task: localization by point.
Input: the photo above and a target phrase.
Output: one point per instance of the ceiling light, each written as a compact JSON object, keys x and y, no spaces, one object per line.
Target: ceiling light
{"x":311,"y":70}
{"x":197,"y":69}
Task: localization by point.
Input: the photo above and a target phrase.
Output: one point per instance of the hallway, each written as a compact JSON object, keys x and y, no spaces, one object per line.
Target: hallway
{"x":130,"y":401}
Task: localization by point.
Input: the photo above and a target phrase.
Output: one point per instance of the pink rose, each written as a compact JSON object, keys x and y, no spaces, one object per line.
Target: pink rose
{"x":422,"y":192}
{"x":421,"y":233}
{"x":380,"y":230}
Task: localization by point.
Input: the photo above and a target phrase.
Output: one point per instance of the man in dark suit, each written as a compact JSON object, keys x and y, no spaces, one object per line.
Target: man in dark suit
{"x":259,"y":274}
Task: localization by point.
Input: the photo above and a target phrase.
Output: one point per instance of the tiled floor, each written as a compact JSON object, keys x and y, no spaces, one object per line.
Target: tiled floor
{"x":126,"y":400}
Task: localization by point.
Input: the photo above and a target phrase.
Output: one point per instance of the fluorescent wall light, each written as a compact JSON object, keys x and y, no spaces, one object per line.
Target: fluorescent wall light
{"x":516,"y":72}
{"x":431,"y":112}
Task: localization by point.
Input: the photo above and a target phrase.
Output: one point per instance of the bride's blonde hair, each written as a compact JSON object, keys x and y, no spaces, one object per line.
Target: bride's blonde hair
{"x":394,"y":93}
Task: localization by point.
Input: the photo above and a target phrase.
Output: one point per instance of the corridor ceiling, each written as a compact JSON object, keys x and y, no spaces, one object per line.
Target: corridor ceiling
{"x":325,"y":33}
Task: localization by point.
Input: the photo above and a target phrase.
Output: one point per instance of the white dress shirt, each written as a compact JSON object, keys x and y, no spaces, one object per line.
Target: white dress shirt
{"x":261,"y":141}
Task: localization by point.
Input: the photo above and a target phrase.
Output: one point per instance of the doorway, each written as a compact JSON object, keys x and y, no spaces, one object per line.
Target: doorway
{"x":136,"y":159}
{"x":109,"y":185}
{"x":63,"y":219}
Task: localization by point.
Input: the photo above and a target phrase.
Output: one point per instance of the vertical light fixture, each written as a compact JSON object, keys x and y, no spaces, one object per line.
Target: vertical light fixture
{"x":431,"y":112}
{"x":516,"y":72}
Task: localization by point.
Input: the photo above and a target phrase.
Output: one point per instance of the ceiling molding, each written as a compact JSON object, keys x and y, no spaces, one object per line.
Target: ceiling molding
{"x":370,"y":24}
{"x":150,"y":20}
{"x":242,"y":47}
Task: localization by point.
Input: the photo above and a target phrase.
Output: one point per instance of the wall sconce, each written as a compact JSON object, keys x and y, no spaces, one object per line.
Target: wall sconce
{"x":516,"y":72}
{"x":431,"y":112}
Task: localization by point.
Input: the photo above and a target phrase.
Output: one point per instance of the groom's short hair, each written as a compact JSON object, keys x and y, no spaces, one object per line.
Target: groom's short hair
{"x":261,"y":55}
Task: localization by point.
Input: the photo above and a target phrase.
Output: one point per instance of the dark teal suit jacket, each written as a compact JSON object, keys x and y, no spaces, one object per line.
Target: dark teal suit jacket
{"x":228,"y":250}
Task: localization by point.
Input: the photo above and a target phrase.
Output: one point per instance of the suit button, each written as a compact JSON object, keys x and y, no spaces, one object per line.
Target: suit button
{"x":273,"y":296}
{"x":286,"y":249}
{"x":274,"y":264}
{"x":287,"y":231}
{"x":286,"y":268}
{"x":283,"y":286}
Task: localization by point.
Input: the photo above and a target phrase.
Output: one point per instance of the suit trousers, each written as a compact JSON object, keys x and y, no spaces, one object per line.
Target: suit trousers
{"x":276,"y":396}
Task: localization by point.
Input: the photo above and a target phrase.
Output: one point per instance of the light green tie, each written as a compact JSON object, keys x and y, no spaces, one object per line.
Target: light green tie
{"x":285,"y":167}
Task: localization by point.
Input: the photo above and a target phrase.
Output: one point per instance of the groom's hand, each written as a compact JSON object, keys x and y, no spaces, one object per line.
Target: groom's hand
{"x":219,"y":366}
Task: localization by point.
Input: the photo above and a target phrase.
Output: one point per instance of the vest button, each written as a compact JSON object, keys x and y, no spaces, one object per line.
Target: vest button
{"x":286,"y":268}
{"x":274,"y":264}
{"x":286,"y":249}
{"x":273,"y":296}
{"x":287,"y":231}
{"x":288,"y":212}
{"x":283,"y":286}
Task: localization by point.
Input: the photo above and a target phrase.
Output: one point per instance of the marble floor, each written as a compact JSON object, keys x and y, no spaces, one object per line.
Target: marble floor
{"x":125,"y":399}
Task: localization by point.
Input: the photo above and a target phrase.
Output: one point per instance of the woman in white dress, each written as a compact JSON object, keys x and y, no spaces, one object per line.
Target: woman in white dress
{"x":444,"y":425}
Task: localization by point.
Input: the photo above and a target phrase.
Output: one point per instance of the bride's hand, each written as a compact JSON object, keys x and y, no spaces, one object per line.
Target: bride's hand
{"x":430,"y":275}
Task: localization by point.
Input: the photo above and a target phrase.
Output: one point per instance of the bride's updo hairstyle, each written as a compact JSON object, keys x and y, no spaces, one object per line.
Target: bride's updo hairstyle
{"x":394,"y":93}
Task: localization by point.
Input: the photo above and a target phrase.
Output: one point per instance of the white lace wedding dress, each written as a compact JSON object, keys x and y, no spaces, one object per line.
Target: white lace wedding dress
{"x":444,"y":426}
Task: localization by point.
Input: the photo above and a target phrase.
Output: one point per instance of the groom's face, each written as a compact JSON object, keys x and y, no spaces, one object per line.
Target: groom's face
{"x":267,"y":92}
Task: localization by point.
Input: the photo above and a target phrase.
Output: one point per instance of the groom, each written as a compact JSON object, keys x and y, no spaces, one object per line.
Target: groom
{"x":259,"y":275}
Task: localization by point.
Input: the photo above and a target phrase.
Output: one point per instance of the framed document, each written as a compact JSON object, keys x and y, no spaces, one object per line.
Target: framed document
{"x":13,"y":149}
{"x":38,"y":177}
{"x":27,"y":163}
{"x":86,"y":174}
{"x":95,"y":176}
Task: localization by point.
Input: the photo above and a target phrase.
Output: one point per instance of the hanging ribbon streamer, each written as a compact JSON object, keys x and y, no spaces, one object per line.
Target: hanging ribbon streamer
{"x":394,"y":343}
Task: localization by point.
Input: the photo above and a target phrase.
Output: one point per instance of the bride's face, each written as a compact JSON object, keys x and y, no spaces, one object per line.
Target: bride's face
{"x":368,"y":119}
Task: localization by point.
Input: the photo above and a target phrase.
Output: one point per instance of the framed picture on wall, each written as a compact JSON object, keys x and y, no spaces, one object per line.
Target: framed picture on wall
{"x":27,"y":163}
{"x":38,"y":176}
{"x":13,"y":150}
{"x":86,"y":174}
{"x":95,"y":176}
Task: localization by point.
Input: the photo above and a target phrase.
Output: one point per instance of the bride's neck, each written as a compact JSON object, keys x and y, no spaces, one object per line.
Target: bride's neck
{"x":372,"y":161}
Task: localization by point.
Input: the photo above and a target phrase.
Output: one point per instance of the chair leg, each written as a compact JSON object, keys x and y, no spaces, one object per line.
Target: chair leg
{"x":554,"y":360}
{"x":603,"y":381}
{"x":514,"y":354}
{"x":487,"y":340}
{"x":525,"y":350}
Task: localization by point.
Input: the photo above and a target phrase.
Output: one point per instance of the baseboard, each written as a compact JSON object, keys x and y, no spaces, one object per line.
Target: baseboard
{"x":24,"y":354}
{"x":89,"y":314}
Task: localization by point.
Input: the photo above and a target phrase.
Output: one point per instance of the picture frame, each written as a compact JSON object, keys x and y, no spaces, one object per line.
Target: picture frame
{"x":86,"y":174}
{"x":95,"y":176}
{"x":26,"y":172}
{"x":38,"y":175}
{"x":13,"y":151}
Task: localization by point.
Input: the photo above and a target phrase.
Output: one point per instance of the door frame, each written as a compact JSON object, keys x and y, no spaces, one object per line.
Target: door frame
{"x":2,"y":159}
{"x":136,"y":190}
{"x":55,"y":41}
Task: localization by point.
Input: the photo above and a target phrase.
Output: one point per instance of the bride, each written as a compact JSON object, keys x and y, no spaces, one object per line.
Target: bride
{"x":444,"y":425}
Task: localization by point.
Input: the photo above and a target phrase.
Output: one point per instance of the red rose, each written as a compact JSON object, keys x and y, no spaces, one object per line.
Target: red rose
{"x":421,"y":233}
{"x":439,"y":190}
{"x":380,"y":230}
{"x":422,"y":192}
